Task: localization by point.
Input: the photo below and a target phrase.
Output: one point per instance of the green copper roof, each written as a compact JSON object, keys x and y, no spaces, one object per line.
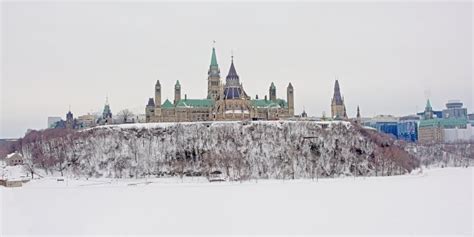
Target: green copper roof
{"x":214,"y":58}
{"x":167,"y":105}
{"x":445,"y":123}
{"x":177,"y":83}
{"x":269,"y":104}
{"x":428,"y":104}
{"x":196,"y":103}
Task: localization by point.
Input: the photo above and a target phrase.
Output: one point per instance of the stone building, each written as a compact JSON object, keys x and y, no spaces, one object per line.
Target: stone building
{"x":451,"y":128}
{"x":70,"y":123}
{"x":87,"y":120}
{"x":224,"y":101}
{"x":430,"y":131}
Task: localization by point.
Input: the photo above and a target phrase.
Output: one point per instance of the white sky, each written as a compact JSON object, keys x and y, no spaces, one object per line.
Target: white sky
{"x":388,"y":57}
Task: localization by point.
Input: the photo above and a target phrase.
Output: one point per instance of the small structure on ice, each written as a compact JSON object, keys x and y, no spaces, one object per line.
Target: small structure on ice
{"x":12,"y":176}
{"x":216,"y":176}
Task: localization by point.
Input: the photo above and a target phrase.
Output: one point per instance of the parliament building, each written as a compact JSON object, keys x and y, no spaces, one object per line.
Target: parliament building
{"x":224,"y":102}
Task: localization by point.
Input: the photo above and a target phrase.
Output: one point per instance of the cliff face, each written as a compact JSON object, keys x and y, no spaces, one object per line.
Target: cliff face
{"x":242,"y":150}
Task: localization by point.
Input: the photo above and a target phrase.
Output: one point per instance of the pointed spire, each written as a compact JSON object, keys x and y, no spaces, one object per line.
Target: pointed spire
{"x":428,"y":104}
{"x":214,"y":58}
{"x":177,"y":85}
{"x":232,"y":72}
{"x":106,"y":100}
{"x":337,"y":94}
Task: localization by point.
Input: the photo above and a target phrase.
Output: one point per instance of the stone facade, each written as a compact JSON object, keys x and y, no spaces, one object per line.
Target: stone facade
{"x":428,"y":134}
{"x":224,"y":101}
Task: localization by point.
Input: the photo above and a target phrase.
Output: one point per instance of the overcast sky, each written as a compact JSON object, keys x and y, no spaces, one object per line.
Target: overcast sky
{"x":388,"y":57}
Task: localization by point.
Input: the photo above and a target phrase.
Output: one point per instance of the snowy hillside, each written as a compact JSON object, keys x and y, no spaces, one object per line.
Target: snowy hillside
{"x":443,"y":155}
{"x":241,"y":150}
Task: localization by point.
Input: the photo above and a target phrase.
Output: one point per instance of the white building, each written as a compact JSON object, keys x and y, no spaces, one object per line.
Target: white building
{"x":452,"y":135}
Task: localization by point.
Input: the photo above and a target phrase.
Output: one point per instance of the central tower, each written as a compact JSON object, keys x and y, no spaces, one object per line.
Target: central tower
{"x":213,"y":78}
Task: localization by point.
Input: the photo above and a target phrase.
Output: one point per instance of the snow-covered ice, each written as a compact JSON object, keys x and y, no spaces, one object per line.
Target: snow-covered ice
{"x":436,"y":202}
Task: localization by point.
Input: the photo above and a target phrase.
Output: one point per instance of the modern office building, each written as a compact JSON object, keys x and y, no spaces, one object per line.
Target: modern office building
{"x":384,"y":123}
{"x":408,"y":128}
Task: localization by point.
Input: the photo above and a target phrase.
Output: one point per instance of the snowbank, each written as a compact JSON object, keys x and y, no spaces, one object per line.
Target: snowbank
{"x":12,"y":173}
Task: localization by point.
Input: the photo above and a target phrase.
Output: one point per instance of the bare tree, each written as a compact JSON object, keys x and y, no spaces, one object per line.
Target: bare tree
{"x":125,"y":115}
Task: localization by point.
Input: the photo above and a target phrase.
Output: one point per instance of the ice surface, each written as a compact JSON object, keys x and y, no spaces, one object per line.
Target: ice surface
{"x":434,"y":202}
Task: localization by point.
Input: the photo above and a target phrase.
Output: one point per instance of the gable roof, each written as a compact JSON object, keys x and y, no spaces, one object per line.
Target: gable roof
{"x":167,"y":105}
{"x":13,"y":156}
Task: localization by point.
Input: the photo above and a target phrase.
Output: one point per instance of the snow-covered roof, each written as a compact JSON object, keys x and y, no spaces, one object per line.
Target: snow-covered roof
{"x":12,"y":155}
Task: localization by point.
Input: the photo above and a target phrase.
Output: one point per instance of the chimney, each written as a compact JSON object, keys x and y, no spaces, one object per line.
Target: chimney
{"x":185,"y":97}
{"x":256,"y":97}
{"x":265,"y":98}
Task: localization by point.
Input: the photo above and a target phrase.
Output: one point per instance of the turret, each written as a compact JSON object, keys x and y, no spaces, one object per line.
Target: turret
{"x":158,"y":98}
{"x":69,"y":120}
{"x":150,"y":110}
{"x":69,"y":116}
{"x":272,"y":92}
{"x":290,"y":98}
{"x":177,"y":93}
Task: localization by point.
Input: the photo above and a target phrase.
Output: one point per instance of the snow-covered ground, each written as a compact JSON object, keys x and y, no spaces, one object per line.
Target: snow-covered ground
{"x":436,"y":202}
